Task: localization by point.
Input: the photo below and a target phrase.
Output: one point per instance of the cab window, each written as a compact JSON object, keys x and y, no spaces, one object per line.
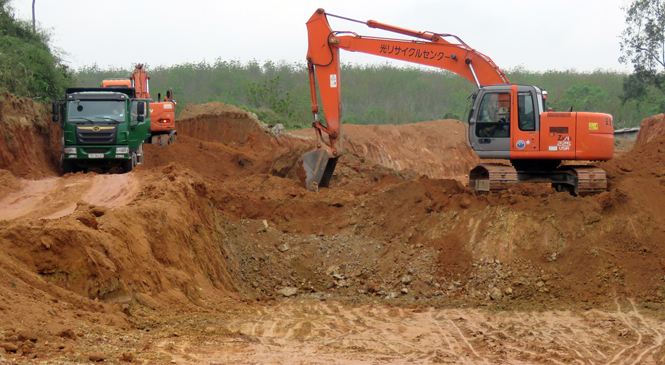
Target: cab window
{"x":134,"y":114}
{"x":494,"y":116}
{"x":525,"y":111}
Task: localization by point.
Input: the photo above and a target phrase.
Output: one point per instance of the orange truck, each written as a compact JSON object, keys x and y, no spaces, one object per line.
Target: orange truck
{"x":505,"y":121}
{"x":162,"y":112}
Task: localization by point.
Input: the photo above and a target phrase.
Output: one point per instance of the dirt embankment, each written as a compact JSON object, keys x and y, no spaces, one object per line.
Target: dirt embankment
{"x":651,"y":128}
{"x":437,"y":149}
{"x":29,"y":141}
{"x":214,"y":222}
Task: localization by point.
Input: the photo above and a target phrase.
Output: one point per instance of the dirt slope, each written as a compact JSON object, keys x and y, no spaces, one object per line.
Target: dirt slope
{"x":29,"y":141}
{"x":650,"y":129}
{"x":197,"y":256}
{"x":437,"y":149}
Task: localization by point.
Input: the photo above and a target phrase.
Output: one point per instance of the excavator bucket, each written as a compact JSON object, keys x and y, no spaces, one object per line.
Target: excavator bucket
{"x":318,"y":169}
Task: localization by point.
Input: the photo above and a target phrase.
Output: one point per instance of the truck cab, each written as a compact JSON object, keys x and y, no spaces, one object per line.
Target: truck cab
{"x":102,"y":128}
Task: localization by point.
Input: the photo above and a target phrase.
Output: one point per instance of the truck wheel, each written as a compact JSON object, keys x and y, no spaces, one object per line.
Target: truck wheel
{"x":128,"y":165}
{"x":139,"y":160}
{"x":160,"y":140}
{"x":68,"y":167}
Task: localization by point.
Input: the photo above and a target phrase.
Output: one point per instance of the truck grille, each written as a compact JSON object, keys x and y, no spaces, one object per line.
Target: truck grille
{"x":96,"y":150}
{"x":97,"y":134}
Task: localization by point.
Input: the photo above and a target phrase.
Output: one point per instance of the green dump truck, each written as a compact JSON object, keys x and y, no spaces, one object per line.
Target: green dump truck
{"x":103,"y":128}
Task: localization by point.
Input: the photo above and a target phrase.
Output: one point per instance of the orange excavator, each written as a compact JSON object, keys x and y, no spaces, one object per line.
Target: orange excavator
{"x":162,"y":112}
{"x":505,"y":121}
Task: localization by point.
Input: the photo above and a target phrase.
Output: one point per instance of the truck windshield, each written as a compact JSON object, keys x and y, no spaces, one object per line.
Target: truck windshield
{"x":96,"y":110}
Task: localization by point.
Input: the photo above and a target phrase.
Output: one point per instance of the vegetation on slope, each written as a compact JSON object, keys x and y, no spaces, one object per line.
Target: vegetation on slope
{"x":29,"y":67}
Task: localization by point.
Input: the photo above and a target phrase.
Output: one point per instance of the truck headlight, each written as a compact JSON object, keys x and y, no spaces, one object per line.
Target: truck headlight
{"x":122,"y":150}
{"x":70,"y":150}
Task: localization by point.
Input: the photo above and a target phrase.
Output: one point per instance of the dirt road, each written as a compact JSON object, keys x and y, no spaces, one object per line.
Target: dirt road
{"x":315,"y":331}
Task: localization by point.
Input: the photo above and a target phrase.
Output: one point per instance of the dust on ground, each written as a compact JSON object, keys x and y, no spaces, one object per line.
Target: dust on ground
{"x":212,"y":252}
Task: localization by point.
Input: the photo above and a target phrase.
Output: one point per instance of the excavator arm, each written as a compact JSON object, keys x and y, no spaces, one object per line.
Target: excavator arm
{"x":140,"y":82}
{"x":429,"y":49}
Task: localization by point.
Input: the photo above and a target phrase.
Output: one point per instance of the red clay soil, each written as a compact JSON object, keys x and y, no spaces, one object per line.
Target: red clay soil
{"x":650,"y":129}
{"x":30,"y":143}
{"x":197,"y":248}
{"x":437,"y":149}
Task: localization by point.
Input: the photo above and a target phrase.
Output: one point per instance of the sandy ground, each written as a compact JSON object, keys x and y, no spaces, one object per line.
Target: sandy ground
{"x":57,"y":197}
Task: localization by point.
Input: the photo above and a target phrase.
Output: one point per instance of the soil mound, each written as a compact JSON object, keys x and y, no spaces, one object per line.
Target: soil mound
{"x":651,"y":128}
{"x":437,"y":149}
{"x":212,"y":108}
{"x":29,"y":141}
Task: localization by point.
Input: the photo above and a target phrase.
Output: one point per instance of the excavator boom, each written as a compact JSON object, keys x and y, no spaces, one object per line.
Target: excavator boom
{"x":429,"y":49}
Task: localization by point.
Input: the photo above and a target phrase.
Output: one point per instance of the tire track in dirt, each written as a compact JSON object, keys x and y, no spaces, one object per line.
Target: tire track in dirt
{"x":304,"y":331}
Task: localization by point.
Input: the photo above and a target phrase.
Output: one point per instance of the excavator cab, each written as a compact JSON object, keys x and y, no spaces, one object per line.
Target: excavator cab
{"x":505,"y":118}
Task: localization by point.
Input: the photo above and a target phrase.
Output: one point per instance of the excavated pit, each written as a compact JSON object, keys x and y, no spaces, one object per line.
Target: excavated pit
{"x":212,"y":252}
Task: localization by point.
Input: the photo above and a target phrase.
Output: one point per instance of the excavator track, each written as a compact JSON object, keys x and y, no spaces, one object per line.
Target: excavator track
{"x":577,"y":180}
{"x":590,"y":179}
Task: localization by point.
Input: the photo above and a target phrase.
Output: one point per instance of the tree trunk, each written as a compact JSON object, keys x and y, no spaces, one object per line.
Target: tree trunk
{"x":33,"y":16}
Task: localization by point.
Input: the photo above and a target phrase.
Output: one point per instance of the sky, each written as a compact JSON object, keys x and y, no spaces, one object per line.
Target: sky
{"x":538,"y":35}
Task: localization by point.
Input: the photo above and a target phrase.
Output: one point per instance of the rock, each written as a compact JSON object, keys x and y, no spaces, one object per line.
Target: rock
{"x":25,"y":349}
{"x":96,"y":356}
{"x":508,"y":291}
{"x":277,"y":130}
{"x":405,"y":290}
{"x":540,"y":284}
{"x":126,"y":357}
{"x":27,"y":336}
{"x":406,"y":279}
{"x":88,"y":220}
{"x":265,"y":224}
{"x":545,"y":278}
{"x":464,"y":203}
{"x":67,"y":333}
{"x":338,"y":276}
{"x":283,"y":247}
{"x":9,"y":347}
{"x":495,"y":294}
{"x":372,"y":288}
{"x":288,"y":291}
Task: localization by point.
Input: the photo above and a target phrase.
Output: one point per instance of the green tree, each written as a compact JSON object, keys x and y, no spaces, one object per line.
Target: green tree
{"x":29,"y":67}
{"x":583,"y":97}
{"x":643,"y":45}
